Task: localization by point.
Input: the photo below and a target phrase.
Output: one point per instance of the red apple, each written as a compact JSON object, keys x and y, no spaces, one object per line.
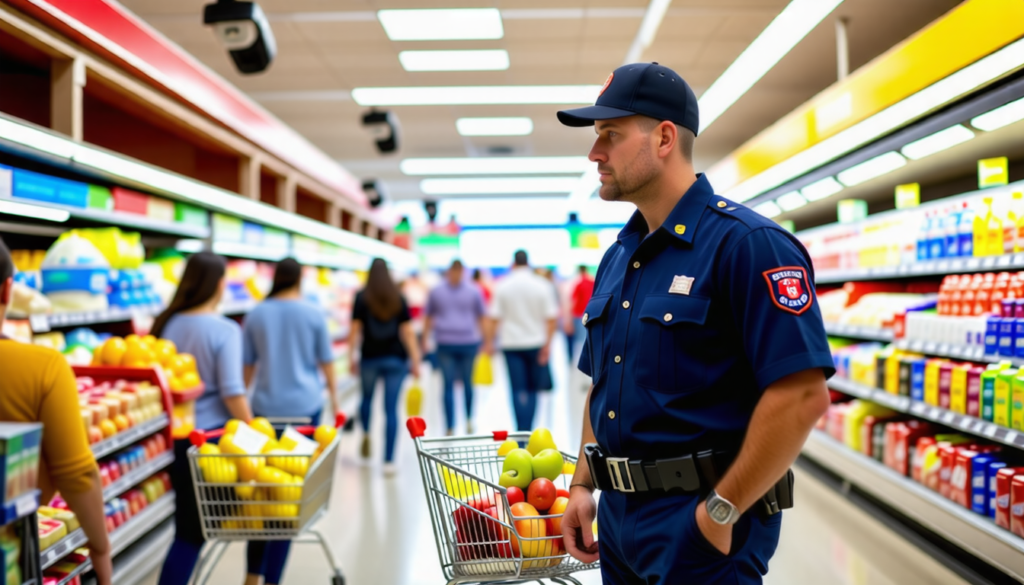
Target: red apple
{"x":515,"y":495}
{"x":560,"y":493}
{"x":541,"y":494}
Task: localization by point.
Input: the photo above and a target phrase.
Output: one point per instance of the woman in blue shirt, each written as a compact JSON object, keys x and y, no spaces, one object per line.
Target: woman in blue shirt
{"x":192,"y":323}
{"x":285,"y":348}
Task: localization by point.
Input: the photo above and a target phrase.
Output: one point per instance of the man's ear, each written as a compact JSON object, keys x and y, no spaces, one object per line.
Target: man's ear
{"x":668,"y":136}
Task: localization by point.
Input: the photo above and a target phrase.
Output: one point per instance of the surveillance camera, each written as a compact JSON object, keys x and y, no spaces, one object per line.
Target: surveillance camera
{"x":374,"y":190}
{"x":244,"y":31}
{"x":383,"y":125}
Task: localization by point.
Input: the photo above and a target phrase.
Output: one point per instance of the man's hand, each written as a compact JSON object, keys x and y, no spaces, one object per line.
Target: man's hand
{"x":544,"y":355}
{"x":718,"y":535}
{"x":414,"y":369}
{"x":578,"y":525}
{"x":487,"y":348}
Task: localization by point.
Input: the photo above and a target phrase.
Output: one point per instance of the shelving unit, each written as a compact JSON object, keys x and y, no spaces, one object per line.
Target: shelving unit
{"x":137,"y":475}
{"x":972,"y":532}
{"x":859,"y":332}
{"x":130,"y":436}
{"x":941,"y":267}
{"x":22,"y":507}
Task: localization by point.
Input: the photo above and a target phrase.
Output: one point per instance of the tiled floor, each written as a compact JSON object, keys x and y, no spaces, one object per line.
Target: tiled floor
{"x":380,"y":528}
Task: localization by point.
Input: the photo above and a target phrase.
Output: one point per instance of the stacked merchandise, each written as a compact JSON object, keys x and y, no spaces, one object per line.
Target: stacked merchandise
{"x":19,"y":475}
{"x":875,"y":304}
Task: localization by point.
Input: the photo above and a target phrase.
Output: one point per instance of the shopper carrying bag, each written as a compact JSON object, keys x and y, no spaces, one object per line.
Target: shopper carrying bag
{"x":382,"y":329}
{"x":286,"y":351}
{"x":192,"y":323}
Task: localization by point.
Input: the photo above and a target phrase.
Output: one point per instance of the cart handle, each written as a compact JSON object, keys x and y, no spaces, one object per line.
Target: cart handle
{"x":198,"y":437}
{"x":417,"y":426}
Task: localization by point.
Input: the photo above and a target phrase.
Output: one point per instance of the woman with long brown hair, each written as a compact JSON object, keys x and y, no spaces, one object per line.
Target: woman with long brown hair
{"x":381,"y":321}
{"x":192,"y":323}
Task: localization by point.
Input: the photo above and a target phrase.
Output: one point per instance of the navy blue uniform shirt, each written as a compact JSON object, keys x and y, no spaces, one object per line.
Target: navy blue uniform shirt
{"x":690,"y":324}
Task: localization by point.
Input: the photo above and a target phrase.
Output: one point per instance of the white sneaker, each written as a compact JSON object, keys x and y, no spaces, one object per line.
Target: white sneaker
{"x":390,"y":469}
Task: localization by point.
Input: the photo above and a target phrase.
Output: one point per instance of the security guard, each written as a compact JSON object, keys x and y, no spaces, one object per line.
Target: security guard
{"x":707,"y":351}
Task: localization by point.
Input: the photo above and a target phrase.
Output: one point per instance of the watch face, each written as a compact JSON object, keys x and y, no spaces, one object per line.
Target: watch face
{"x":720,"y":512}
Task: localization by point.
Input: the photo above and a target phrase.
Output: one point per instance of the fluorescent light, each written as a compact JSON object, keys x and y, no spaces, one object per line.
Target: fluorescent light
{"x":999,"y":117}
{"x":775,"y":42}
{"x":937,"y":142}
{"x":34,"y":211}
{"x":496,"y":186}
{"x":496,"y":166}
{"x":790,"y":201}
{"x":476,"y":95}
{"x":448,"y":24}
{"x":649,"y":26}
{"x":896,"y":116}
{"x":489,"y":60}
{"x":871,"y":168}
{"x":768,"y":209}
{"x":819,"y":190}
{"x":494,"y":126}
{"x":37,"y":139}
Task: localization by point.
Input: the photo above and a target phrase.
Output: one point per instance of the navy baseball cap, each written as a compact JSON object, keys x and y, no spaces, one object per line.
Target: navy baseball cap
{"x":647,"y":89}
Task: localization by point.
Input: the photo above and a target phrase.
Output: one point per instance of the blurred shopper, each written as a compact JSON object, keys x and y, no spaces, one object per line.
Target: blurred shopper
{"x":455,"y":313}
{"x":581,"y":293}
{"x":192,"y":323}
{"x":286,"y":348}
{"x":485,"y":288}
{"x":707,"y":351}
{"x":525,"y":313}
{"x":381,"y":328}
{"x":37,"y":385}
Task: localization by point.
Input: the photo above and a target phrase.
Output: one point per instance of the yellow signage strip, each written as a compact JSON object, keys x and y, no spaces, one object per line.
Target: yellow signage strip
{"x":961,"y":37}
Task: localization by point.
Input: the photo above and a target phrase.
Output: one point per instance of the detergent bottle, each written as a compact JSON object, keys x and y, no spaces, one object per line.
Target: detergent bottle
{"x":1014,"y":210}
{"x":923,"y":248}
{"x":988,"y":232}
{"x":965,"y":240}
{"x":937,"y":236}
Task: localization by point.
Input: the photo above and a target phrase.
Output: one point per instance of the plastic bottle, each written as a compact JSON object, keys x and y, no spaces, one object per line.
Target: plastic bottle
{"x":993,"y":230}
{"x":937,"y":236}
{"x":952,"y":230}
{"x":923,"y":247}
{"x":965,"y":229}
{"x":1014,"y":211}
{"x":986,"y":228}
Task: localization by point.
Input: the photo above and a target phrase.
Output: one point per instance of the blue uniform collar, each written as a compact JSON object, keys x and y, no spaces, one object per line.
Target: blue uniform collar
{"x":682,"y":222}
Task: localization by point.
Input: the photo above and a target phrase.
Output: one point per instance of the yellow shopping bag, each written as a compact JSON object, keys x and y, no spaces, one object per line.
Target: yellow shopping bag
{"x":413,"y":400}
{"x":482,"y":374}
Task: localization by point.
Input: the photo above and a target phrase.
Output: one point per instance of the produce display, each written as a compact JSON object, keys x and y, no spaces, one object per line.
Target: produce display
{"x":111,"y":408}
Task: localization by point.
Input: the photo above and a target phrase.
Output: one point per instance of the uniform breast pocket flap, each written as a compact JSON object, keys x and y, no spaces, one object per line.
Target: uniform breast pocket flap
{"x":672,"y":343}
{"x":594,"y":319}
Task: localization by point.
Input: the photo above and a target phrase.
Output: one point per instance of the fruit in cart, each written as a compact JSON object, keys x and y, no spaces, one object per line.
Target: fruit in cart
{"x":249,"y":467}
{"x":324,"y":434}
{"x":263,"y":426}
{"x":517,"y":470}
{"x":246,"y":492}
{"x":540,"y":440}
{"x":293,"y":464}
{"x":548,"y":464}
{"x":568,"y":468}
{"x":113,"y":351}
{"x":541,"y":493}
{"x":271,"y":445}
{"x":562,"y":493}
{"x":527,"y":528}
{"x":108,"y":428}
{"x":221,"y":470}
{"x":290,"y":493}
{"x":515,"y":495}
{"x":227,"y":445}
{"x":287,"y":443}
{"x":504,"y":448}
{"x":556,"y":510}
{"x":231,"y":427}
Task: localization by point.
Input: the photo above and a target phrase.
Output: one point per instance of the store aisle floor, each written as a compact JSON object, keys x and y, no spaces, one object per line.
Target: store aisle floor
{"x":380,"y":527}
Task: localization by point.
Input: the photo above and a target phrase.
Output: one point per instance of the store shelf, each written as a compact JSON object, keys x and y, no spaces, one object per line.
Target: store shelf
{"x":962,"y":422}
{"x":63,"y":547}
{"x":972,"y":532}
{"x":137,"y":563}
{"x":130,"y":436}
{"x":44,"y":323}
{"x":859,"y":332}
{"x":964,"y":352}
{"x":129,"y":220}
{"x":22,"y":506}
{"x":137,"y":475}
{"x":927,"y":268}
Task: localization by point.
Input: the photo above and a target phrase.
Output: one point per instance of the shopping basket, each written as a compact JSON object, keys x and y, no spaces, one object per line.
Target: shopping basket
{"x":276,"y":506}
{"x":478,"y":543}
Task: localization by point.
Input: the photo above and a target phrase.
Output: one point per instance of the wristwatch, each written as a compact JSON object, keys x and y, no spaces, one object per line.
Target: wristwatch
{"x":721,"y":510}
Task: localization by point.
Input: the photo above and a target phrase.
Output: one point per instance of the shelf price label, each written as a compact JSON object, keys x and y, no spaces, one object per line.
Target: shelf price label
{"x":947,"y":417}
{"x":993,"y":172}
{"x":39,"y":323}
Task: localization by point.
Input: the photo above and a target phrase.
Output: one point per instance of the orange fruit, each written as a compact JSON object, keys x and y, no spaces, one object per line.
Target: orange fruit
{"x":189,"y":380}
{"x":164,"y":351}
{"x":137,"y":352}
{"x":113,"y":351}
{"x":108,"y":428}
{"x":186,"y":364}
{"x":121,"y":422}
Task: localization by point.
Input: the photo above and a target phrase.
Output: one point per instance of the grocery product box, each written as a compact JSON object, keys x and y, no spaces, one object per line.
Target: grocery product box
{"x":1017,"y":505}
{"x":932,"y":371}
{"x":979,"y":482}
{"x":957,"y":389}
{"x":160,"y":209}
{"x":39,"y":187}
{"x":191,"y":215}
{"x":974,"y":390}
{"x":917,"y":375}
{"x":1002,"y":397}
{"x":993,"y":472}
{"x":226,"y":228}
{"x":252,"y":234}
{"x":960,"y":476}
{"x":945,"y":385}
{"x":128,"y":201}
{"x":992,"y":335}
{"x":100,"y":198}
{"x":19,"y":458}
{"x":901,"y":443}
{"x":1007,"y":337}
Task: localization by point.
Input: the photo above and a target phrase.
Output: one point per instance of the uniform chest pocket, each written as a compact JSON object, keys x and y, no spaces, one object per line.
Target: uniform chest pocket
{"x":595,"y":320}
{"x":672,"y":343}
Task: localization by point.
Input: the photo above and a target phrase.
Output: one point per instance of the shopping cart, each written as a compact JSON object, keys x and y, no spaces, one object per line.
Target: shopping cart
{"x":478,"y":540}
{"x":276,"y":506}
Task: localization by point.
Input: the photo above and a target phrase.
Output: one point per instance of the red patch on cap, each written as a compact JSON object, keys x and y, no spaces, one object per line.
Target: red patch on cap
{"x":788,"y":288}
{"x":607,"y":82}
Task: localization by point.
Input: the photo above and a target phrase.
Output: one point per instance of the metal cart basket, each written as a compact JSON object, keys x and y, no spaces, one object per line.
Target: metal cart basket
{"x":275,"y":496}
{"x":478,"y":539}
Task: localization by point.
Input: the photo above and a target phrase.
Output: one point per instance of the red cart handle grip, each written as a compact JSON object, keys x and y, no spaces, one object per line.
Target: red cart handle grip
{"x":500,"y":435}
{"x":417,"y":427}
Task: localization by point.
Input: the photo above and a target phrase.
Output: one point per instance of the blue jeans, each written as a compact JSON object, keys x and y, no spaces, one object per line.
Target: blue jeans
{"x":393,"y":370}
{"x":456,"y":362}
{"x":524,"y":377}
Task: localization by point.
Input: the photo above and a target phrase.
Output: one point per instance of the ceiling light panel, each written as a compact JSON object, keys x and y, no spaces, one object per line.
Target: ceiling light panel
{"x":498,"y":186}
{"x":494,"y":126}
{"x":476,"y":95}
{"x":791,"y":201}
{"x":999,"y":117}
{"x":449,"y":24}
{"x":871,"y":168}
{"x":937,"y":142}
{"x":483,"y":60}
{"x":819,"y":190}
{"x":496,"y":166}
{"x":768,"y":209}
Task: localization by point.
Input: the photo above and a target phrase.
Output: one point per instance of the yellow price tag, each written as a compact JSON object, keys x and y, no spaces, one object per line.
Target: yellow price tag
{"x":993,"y":172}
{"x":908,"y":195}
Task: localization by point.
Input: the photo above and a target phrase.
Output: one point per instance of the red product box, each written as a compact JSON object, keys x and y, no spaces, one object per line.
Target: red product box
{"x":917,"y":461}
{"x":1017,"y":505}
{"x":947,"y":455}
{"x":836,"y":418}
{"x":1004,"y":479}
{"x":901,"y":443}
{"x":945,"y":384}
{"x":974,"y":391}
{"x":129,"y":201}
{"x":959,"y":477}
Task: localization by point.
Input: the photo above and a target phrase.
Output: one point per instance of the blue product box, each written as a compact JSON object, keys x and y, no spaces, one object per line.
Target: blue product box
{"x":979,"y":483}
{"x":917,"y":380}
{"x":38,"y":187}
{"x":990,"y":474}
{"x":91,"y":280}
{"x":1018,"y":334}
{"x":1007,"y":336}
{"x":992,"y":335}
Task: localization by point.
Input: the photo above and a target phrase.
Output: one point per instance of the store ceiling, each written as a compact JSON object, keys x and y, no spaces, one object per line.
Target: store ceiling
{"x":337,"y":45}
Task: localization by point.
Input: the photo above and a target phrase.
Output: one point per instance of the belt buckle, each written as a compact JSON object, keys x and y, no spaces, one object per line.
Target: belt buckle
{"x":618,"y":473}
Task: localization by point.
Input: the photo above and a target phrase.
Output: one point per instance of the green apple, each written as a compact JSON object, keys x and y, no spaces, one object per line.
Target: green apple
{"x":540,"y":439}
{"x":517,"y":470}
{"x":547,"y":463}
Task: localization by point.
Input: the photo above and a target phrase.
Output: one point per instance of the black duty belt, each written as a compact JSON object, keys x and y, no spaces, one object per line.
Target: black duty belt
{"x":696,"y":473}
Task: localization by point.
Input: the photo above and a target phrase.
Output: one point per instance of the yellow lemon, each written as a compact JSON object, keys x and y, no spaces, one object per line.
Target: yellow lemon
{"x":325,"y":434}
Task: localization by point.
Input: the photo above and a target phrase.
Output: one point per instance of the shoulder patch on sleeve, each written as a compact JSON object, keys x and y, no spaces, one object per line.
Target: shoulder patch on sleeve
{"x":788,"y":288}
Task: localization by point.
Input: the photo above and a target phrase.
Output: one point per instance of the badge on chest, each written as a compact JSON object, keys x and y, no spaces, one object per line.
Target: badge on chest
{"x":681,"y":285}
{"x":788,"y":288}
